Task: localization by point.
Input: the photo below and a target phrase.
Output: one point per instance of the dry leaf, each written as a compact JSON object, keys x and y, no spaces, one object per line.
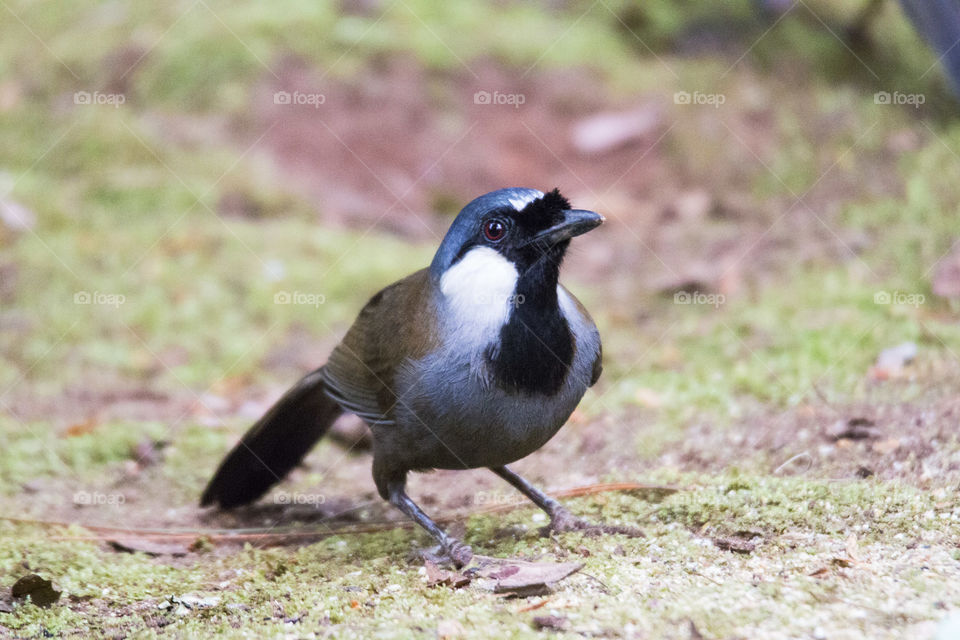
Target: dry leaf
{"x":80,"y":428}
{"x":438,"y":576}
{"x":521,"y":578}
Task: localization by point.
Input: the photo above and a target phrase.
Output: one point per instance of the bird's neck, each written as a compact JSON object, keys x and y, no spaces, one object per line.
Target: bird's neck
{"x":535,"y":348}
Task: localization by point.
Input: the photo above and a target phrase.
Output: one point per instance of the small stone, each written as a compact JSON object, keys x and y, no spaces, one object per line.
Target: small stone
{"x":892,"y":361}
{"x":604,"y":132}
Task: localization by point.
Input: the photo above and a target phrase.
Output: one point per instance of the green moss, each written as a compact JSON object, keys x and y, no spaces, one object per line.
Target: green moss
{"x":365,"y":584}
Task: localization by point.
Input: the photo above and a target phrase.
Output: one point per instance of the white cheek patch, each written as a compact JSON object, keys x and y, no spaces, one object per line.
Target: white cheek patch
{"x":479,"y":290}
{"x":519,"y":202}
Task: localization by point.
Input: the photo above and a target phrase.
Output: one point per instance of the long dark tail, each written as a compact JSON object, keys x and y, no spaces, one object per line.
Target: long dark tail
{"x":274,"y":445}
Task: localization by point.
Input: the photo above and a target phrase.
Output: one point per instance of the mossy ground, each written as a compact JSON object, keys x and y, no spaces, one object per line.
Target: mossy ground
{"x":847,"y":199}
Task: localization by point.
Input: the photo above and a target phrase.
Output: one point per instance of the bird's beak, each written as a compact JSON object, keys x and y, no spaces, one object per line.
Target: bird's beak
{"x":575,"y":222}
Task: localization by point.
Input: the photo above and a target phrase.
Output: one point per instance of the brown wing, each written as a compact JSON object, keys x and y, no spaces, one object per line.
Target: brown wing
{"x":396,"y":324}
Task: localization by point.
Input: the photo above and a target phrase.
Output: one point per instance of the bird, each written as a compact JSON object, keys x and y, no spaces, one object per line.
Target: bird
{"x":473,"y":362}
{"x":936,"y":21}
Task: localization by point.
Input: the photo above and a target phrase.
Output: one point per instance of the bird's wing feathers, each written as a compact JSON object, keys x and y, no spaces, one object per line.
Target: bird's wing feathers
{"x":396,"y":324}
{"x":597,"y":366}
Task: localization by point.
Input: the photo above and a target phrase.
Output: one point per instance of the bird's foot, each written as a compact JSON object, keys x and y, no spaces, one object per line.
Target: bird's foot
{"x":460,"y":553}
{"x":452,"y":550}
{"x":562,"y":520}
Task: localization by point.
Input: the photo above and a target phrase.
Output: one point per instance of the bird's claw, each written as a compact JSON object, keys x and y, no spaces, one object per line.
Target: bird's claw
{"x":461,"y":554}
{"x":562,"y":520}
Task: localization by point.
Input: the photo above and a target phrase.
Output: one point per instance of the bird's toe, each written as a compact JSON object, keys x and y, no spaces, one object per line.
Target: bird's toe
{"x":460,"y":553}
{"x":562,"y":520}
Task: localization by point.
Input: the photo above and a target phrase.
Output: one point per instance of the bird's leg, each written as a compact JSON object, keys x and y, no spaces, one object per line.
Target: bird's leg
{"x":460,"y":553}
{"x":560,"y":517}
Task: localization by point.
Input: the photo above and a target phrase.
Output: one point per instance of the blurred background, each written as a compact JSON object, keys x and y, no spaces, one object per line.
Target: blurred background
{"x":196,"y":198}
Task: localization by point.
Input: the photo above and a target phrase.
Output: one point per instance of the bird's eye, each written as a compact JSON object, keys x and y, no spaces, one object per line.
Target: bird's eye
{"x":494,"y":230}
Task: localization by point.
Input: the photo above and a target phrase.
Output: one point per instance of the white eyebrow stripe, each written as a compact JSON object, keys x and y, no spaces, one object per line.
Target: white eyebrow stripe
{"x":521,"y":201}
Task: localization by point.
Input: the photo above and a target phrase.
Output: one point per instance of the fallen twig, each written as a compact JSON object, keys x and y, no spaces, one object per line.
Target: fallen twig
{"x":271,"y":536}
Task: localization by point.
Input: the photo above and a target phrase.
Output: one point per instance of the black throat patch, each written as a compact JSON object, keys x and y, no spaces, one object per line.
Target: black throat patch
{"x":536,"y":345}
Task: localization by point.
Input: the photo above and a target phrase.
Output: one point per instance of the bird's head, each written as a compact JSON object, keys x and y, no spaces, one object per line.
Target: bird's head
{"x":525,"y":227}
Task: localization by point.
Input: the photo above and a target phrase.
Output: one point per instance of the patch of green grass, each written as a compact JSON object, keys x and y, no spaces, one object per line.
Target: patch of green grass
{"x":206,"y":56}
{"x":772,"y":346}
{"x":821,"y":324}
{"x":913,"y":232}
{"x":201,"y":297}
{"x":39,"y":451}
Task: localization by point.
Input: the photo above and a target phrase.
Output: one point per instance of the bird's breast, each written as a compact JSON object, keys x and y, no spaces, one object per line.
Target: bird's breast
{"x":451,"y":411}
